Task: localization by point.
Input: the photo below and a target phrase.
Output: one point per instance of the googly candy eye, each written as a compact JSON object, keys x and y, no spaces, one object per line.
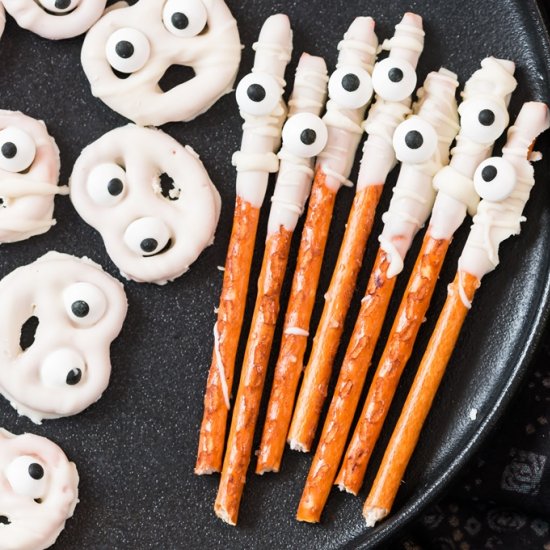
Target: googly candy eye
{"x":305,"y":135}
{"x":106,"y":184}
{"x":85,"y":303}
{"x":350,"y":87}
{"x":495,"y":179}
{"x":147,"y":236}
{"x":258,"y":94}
{"x":185,"y":18}
{"x":17,"y":150}
{"x":127,"y":50}
{"x":415,"y":141}
{"x":59,"y":6}
{"x":27,"y":477}
{"x":393,"y":79}
{"x":482,"y":121}
{"x":63,"y":367}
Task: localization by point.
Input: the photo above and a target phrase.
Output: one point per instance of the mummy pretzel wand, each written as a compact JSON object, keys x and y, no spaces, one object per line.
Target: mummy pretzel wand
{"x":259,"y":95}
{"x":304,"y":136}
{"x":390,"y":109}
{"x":504,"y":185}
{"x":350,"y":91}
{"x":422,"y":145}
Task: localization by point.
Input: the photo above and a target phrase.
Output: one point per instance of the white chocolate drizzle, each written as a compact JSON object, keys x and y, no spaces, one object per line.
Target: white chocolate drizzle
{"x":220,"y":366}
{"x":296,"y":331}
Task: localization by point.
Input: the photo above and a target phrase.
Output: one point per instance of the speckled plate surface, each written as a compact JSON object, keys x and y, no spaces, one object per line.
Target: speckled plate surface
{"x":135,"y":449}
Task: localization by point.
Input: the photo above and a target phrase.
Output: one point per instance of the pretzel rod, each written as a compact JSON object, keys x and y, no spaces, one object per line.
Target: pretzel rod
{"x":355,"y":60}
{"x":498,"y":219}
{"x":378,"y":159}
{"x":254,"y":163}
{"x":291,"y":192}
{"x":436,"y":116}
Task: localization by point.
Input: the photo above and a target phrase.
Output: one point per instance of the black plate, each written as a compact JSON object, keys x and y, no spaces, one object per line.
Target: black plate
{"x":135,"y":449}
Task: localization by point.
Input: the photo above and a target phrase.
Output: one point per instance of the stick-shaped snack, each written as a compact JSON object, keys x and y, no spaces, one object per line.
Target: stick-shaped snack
{"x":422,"y":144}
{"x":504,"y":185}
{"x":350,"y":91}
{"x":378,"y":159}
{"x":304,"y":136}
{"x":486,"y":97}
{"x":259,"y":95}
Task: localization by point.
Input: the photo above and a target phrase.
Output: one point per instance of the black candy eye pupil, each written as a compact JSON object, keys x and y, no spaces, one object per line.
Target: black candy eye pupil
{"x":114,"y":187}
{"x":9,"y":150}
{"x":256,"y":93}
{"x":486,"y":117}
{"x":74,"y":377}
{"x":36,"y":471}
{"x":395,"y":74}
{"x":308,"y":136}
{"x":149,"y":245}
{"x":180,"y":21}
{"x":351,"y":82}
{"x":124,"y":49}
{"x":414,"y":139}
{"x":489,"y":173}
{"x":80,"y":308}
{"x":62,"y":4}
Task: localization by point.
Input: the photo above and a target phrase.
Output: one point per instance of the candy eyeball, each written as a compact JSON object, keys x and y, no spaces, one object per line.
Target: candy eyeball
{"x":106,"y":184}
{"x":495,"y":179}
{"x":350,"y":87}
{"x":305,"y":135}
{"x":59,"y":7}
{"x":415,"y":141}
{"x":393,"y":79}
{"x":127,"y":50}
{"x":85,"y":303}
{"x":482,"y":120}
{"x":184,"y":18}
{"x":147,"y":236}
{"x":61,"y":368}
{"x":258,"y":94}
{"x":27,"y":477}
{"x":17,"y":150}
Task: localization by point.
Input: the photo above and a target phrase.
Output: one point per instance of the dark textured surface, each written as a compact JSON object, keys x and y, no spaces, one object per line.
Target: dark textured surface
{"x":135,"y":448}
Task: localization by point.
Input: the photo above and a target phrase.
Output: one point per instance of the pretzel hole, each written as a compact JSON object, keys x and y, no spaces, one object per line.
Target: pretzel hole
{"x":122,"y":76}
{"x":4,"y":520}
{"x":174,"y":76}
{"x":28,"y":332}
{"x":167,"y":188}
{"x":3,"y":203}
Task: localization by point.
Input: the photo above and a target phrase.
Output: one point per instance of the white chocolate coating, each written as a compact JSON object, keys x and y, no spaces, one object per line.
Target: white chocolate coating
{"x":2,"y":19}
{"x":357,"y":49}
{"x":384,"y":116}
{"x":189,"y":216}
{"x":497,"y":221}
{"x":34,"y":525}
{"x":214,"y":55}
{"x":262,"y":134}
{"x":413,"y":195}
{"x":296,"y":173}
{"x":28,"y":198}
{"x":37,"y":290}
{"x":456,"y":194}
{"x":31,"y":15}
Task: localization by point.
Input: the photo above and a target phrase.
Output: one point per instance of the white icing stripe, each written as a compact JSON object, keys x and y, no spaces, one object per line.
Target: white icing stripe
{"x":221,"y":368}
{"x":462,"y":292}
{"x":258,"y":162}
{"x":296,"y":331}
{"x":23,"y":225}
{"x":22,"y":187}
{"x":396,"y":261}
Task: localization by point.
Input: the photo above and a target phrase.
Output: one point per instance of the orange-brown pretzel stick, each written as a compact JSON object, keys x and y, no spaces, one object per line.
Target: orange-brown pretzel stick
{"x":261,"y":138}
{"x":345,"y":113}
{"x":392,"y":104}
{"x":504,"y":185}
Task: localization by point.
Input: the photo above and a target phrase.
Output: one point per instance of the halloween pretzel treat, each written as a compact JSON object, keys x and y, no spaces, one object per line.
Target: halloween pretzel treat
{"x":150,"y":198}
{"x":29,"y":174}
{"x":350,"y":92}
{"x":127,"y":52}
{"x":504,"y":184}
{"x":39,"y":491}
{"x":259,"y":96}
{"x":422,"y":145}
{"x":392,"y":105}
{"x":304,"y":137}
{"x":59,"y":317}
{"x":55,"y":19}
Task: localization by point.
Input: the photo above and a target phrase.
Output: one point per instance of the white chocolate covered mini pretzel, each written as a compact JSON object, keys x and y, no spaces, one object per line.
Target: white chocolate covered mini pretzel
{"x":126,"y":54}
{"x":152,"y":235}
{"x":59,"y":317}
{"x":55,"y":19}
{"x":38,"y":491}
{"x":29,"y":173}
